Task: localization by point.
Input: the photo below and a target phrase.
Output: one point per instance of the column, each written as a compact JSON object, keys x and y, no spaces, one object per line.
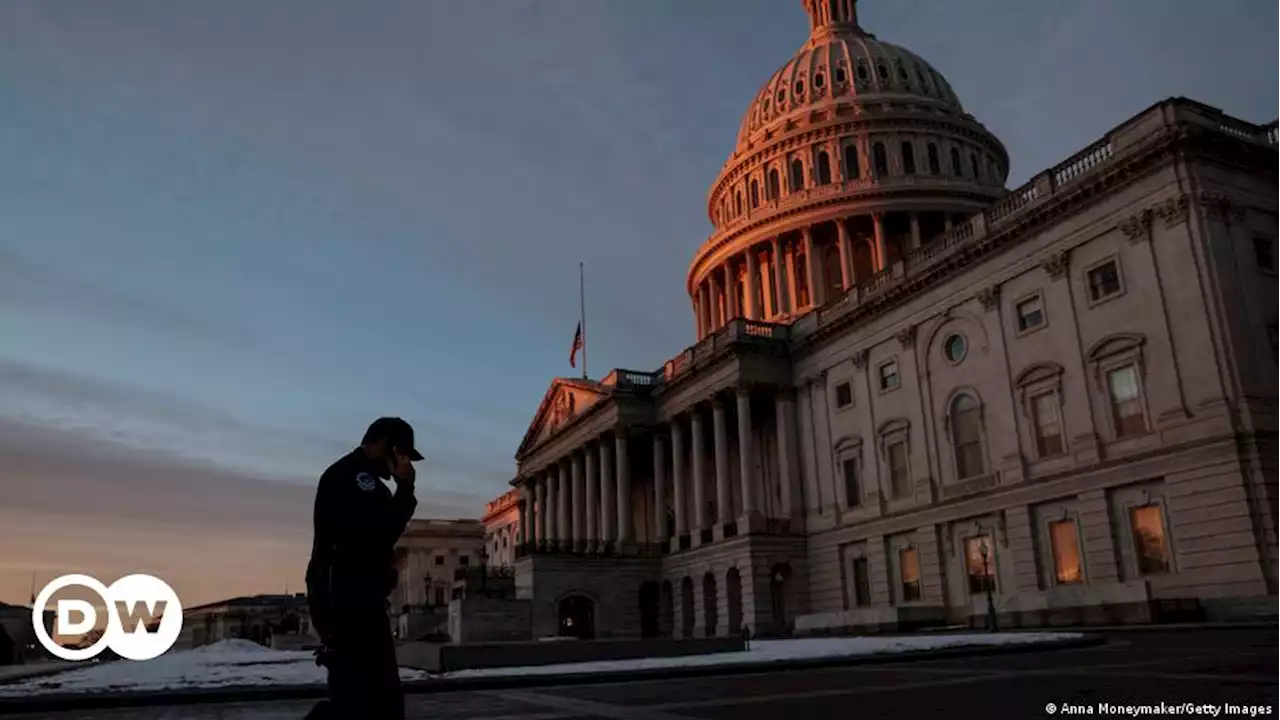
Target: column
{"x":878,"y":219}
{"x":623,"y":462}
{"x":749,"y":286}
{"x":678,"y":497}
{"x":699,"y":470}
{"x":730,"y":292}
{"x":522,"y":532}
{"x":553,"y":513}
{"x":564,"y":532}
{"x":788,"y":464}
{"x":793,"y":284}
{"x":768,"y":301}
{"x":704,"y":307}
{"x":579,"y":504}
{"x":724,"y":503}
{"x":746,"y":453}
{"x":811,"y":268}
{"x":660,"y":488}
{"x":607,"y":514}
{"x":915,"y":230}
{"x":846,"y":254}
{"x":697,"y":314}
{"x":540,"y":512}
{"x":779,"y":306}
{"x":592,"y":498}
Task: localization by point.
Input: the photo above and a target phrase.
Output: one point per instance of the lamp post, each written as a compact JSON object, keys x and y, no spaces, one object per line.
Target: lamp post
{"x":986,"y":581}
{"x":484,"y":569}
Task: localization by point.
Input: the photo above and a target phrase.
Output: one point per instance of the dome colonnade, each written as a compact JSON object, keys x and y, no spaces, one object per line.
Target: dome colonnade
{"x":854,"y":153}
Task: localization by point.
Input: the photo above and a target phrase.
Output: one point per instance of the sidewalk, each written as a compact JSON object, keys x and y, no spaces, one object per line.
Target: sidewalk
{"x":14,"y":673}
{"x":548,"y":677}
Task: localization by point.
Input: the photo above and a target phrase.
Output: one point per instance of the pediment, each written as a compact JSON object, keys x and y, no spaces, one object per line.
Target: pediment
{"x":564,"y":400}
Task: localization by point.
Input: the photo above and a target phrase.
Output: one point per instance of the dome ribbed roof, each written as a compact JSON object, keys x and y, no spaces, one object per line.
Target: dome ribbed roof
{"x":842,"y":63}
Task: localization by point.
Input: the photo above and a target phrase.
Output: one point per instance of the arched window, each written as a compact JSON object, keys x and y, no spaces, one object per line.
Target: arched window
{"x":880,"y":159}
{"x":973,"y":165}
{"x":773,"y":187}
{"x":824,"y":168}
{"x":851,"y":169}
{"x":755,"y":193}
{"x":908,"y":158}
{"x":797,"y":175}
{"x":934,"y":166}
{"x":737,"y":202}
{"x":956,"y":170}
{"x":991,"y":168}
{"x":966,"y":436}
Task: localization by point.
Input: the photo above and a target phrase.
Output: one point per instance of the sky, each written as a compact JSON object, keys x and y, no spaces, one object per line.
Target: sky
{"x":233,"y":233}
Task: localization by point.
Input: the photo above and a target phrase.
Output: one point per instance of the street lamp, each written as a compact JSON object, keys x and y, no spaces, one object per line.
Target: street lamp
{"x":986,"y":581}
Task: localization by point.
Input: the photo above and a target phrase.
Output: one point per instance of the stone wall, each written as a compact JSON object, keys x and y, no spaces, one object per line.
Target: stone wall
{"x":612,"y":584}
{"x":482,"y":619}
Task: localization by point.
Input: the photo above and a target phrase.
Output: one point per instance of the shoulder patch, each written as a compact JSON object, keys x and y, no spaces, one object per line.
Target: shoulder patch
{"x":365,"y":481}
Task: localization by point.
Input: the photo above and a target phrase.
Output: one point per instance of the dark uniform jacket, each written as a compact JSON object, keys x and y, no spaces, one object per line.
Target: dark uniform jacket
{"x":357,"y":522}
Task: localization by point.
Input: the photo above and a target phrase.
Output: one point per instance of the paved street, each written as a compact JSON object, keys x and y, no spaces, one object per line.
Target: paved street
{"x":1146,"y":667}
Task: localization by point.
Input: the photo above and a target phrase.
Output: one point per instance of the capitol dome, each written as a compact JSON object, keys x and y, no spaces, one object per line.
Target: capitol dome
{"x":853,"y":155}
{"x":842,"y":64}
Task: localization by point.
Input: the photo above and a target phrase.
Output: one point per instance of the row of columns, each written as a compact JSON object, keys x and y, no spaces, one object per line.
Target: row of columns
{"x":758,"y":269}
{"x":561,"y":508}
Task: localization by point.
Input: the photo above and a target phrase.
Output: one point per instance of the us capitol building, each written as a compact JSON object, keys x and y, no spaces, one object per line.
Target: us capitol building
{"x":920,"y":398}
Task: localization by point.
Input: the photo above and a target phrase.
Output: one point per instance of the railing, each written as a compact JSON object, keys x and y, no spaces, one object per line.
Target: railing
{"x":1081,"y":163}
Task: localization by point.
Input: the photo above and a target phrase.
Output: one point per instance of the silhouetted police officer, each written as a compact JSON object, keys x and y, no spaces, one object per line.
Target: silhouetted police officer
{"x":357,"y":522}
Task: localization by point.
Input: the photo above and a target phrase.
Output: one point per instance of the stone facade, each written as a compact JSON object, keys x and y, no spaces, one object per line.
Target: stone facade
{"x":501,"y":528}
{"x":915,"y":393}
{"x":430,"y":556}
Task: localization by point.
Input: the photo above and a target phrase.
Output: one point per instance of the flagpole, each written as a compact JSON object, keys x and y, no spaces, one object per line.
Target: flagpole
{"x":582,"y":318}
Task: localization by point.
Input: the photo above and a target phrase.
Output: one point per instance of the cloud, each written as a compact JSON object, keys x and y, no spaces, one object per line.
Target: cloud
{"x":68,"y":500}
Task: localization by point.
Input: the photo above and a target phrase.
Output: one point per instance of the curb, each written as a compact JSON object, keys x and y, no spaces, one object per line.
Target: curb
{"x":241,"y":694}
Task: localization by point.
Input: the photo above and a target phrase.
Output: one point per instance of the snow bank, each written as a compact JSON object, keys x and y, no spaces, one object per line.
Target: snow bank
{"x":239,"y":662}
{"x":767,"y":651}
{"x":222,"y":664}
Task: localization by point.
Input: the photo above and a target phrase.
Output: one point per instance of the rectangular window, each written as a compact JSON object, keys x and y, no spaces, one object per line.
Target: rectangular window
{"x":464,"y":560}
{"x":852,"y":483}
{"x":1048,"y":425}
{"x":439,"y":559}
{"x":439,"y":596}
{"x":1149,"y":542}
{"x":1126,"y":402}
{"x":981,"y":571}
{"x":899,"y":479}
{"x":1262,"y":253}
{"x":1104,"y":281}
{"x":909,"y":569}
{"x":844,"y":395}
{"x":889,"y":376}
{"x":1030,"y":314}
{"x":861,"y":583}
{"x":1064,"y":540}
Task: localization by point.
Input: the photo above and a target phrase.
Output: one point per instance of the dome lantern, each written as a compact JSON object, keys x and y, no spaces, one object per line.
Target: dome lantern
{"x":826,"y":16}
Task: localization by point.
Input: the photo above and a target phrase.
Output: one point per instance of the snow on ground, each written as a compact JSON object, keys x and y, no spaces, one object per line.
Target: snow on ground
{"x":222,"y":664}
{"x":240,"y":662}
{"x":767,"y":651}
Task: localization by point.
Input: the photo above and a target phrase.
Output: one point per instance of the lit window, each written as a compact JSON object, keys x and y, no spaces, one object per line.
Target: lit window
{"x":1030,"y":314}
{"x":861,"y":583}
{"x":899,"y":477}
{"x":1126,"y":401}
{"x":852,"y":482}
{"x":1048,"y":425}
{"x":1065,"y":543}
{"x":844,"y":395}
{"x":909,"y":569}
{"x":889,"y":379}
{"x":1149,"y":539}
{"x":1104,"y":281}
{"x":966,"y":436}
{"x":981,"y":573}
{"x":1262,"y":253}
